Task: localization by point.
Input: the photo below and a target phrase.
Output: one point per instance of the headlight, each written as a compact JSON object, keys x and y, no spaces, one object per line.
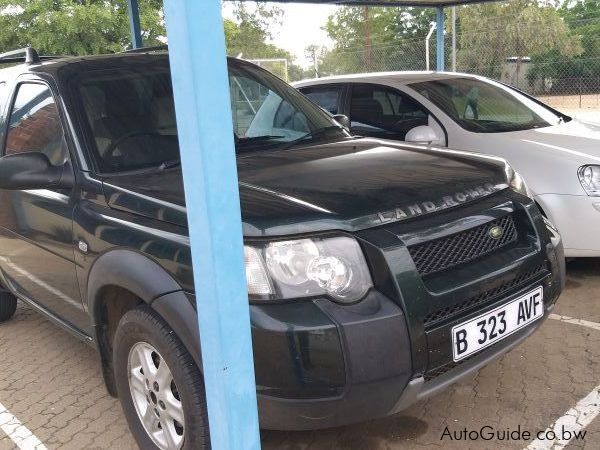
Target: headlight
{"x":333,"y":266}
{"x":589,"y":177}
{"x":516,"y":181}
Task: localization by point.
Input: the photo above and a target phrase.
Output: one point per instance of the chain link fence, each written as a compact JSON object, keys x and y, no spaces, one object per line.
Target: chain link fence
{"x":278,"y":66}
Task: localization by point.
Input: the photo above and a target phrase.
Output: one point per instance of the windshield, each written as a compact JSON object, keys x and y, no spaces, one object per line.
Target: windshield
{"x":486,"y":107}
{"x":130,"y":115}
{"x":268,"y":113}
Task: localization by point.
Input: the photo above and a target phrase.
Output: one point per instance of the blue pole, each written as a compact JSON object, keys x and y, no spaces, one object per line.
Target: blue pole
{"x":204,"y":123}
{"x":134,"y":23}
{"x":440,"y":38}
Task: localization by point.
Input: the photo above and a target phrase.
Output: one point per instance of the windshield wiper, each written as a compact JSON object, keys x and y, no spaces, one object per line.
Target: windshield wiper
{"x":311,"y":135}
{"x":252,"y":139}
{"x":169,"y":164}
{"x":251,"y":143}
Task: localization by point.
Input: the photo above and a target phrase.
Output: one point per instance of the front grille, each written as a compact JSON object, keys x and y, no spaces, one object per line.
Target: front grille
{"x":460,"y":248}
{"x":485,"y":297}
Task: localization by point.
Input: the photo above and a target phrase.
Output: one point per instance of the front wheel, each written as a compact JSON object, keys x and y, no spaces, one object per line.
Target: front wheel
{"x":159,"y":384}
{"x":8,"y":306}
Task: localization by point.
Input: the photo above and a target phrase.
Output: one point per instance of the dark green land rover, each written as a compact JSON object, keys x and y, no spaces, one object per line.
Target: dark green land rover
{"x":378,"y":273}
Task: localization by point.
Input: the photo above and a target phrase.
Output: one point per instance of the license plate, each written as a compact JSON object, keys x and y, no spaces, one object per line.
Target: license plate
{"x":491,"y":327}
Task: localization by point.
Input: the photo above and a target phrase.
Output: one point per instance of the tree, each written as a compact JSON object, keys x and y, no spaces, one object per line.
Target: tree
{"x":583,"y":19}
{"x":75,"y":27}
{"x":569,"y":73}
{"x":492,"y":32}
{"x":249,"y":33}
{"x":355,"y":31}
{"x":315,"y":54}
{"x":84,"y":27}
{"x":373,"y":39}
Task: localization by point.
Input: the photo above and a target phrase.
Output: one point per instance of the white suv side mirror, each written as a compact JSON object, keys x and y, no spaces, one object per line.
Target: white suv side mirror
{"x":422,"y":134}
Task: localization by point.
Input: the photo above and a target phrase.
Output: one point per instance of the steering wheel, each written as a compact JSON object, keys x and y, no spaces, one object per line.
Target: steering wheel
{"x":110,"y":150}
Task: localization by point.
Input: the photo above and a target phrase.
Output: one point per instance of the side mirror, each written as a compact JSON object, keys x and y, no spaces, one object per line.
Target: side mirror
{"x":342,"y":120}
{"x":32,"y":170}
{"x":422,"y":134}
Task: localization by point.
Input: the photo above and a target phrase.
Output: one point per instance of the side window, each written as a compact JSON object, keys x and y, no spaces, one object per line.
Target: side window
{"x":383,"y":112}
{"x":35,"y":126}
{"x":327,"y":98}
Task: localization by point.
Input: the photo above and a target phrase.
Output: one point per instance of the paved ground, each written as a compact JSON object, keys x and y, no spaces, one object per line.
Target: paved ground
{"x":584,"y":107}
{"x":587,"y":115}
{"x":51,"y":383}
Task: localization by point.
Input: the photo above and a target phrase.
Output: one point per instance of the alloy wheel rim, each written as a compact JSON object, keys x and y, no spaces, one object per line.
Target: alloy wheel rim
{"x":155,"y":396}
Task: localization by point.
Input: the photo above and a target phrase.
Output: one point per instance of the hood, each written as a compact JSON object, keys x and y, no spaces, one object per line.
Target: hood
{"x":560,"y":149}
{"x":576,"y":138}
{"x":349,"y":185}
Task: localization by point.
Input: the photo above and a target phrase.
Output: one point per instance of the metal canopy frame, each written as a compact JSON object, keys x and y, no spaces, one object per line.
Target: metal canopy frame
{"x":202,"y":104}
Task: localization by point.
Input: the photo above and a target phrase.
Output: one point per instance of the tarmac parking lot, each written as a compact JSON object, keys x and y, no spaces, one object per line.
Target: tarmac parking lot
{"x":52,"y":395}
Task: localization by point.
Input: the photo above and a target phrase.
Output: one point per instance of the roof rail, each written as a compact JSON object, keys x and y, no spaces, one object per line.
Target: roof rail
{"x":156,"y":48}
{"x":28,"y":55}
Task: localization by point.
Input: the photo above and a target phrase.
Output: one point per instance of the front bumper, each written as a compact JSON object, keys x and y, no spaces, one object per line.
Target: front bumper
{"x":577,"y":218}
{"x":420,"y":389}
{"x":319,"y":364}
{"x":369,"y":393}
{"x":309,"y":377}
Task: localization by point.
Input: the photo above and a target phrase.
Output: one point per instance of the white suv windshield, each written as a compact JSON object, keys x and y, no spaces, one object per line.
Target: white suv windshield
{"x":486,"y":107}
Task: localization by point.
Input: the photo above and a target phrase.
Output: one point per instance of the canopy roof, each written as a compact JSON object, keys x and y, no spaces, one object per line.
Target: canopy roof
{"x":382,"y":2}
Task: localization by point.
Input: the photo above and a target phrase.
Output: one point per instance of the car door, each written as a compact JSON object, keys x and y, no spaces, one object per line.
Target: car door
{"x":386,"y":113}
{"x":36,"y":231}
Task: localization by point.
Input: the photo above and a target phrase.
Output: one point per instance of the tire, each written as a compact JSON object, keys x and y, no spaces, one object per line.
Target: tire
{"x":143,"y":339}
{"x":8,"y":306}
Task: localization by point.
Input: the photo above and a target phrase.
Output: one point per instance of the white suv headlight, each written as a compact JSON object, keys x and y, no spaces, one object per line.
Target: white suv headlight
{"x":334,"y":266}
{"x":589,"y":177}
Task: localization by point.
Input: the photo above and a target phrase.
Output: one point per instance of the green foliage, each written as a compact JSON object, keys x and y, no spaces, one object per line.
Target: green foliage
{"x":249,"y":32}
{"x":75,"y":27}
{"x":492,"y":32}
{"x":583,"y":19}
{"x":248,"y":35}
{"x":373,"y":39}
{"x":83,"y":27}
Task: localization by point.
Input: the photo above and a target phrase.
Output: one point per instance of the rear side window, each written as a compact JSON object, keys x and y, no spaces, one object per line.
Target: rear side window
{"x":327,"y":98}
{"x":35,"y":124}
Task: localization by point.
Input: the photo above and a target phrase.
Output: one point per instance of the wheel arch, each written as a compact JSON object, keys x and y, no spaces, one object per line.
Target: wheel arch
{"x":129,"y":270}
{"x":120,"y":280}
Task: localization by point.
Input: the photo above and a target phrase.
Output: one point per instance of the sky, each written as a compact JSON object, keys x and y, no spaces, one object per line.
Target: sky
{"x":301,"y":27}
